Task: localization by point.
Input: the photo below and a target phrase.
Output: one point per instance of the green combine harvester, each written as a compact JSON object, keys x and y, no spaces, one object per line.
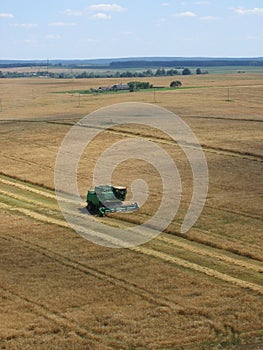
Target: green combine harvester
{"x":109,"y":199}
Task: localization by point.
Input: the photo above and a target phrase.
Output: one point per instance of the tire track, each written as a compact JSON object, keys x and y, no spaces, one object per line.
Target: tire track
{"x":205,"y":270}
{"x":217,"y":150}
{"x":33,"y":190}
{"x":53,"y":196}
{"x":128,"y":133}
{"x":147,"y":251}
{"x":28,"y":200}
{"x":206,"y":252}
{"x":24,"y":161}
{"x":187,"y":246}
{"x":175,"y":241}
{"x":54,"y":316}
{"x":28,"y":188}
{"x":221,"y":118}
{"x":132,"y":288}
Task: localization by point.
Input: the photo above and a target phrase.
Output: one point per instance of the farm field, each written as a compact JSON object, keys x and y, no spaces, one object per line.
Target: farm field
{"x":198,"y":290}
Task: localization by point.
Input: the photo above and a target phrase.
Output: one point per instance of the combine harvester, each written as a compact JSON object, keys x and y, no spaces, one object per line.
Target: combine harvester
{"x":109,"y":199}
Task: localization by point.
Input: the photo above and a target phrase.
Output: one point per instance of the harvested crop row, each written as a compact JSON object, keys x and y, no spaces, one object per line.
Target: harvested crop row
{"x":147,"y":251}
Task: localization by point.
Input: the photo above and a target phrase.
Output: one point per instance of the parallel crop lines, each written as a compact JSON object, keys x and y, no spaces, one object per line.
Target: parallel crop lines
{"x":175,"y":241}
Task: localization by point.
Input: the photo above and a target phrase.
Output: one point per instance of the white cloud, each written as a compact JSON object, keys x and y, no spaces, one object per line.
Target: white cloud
{"x":101,"y":15}
{"x":24,"y":25}
{"x":61,"y":24}
{"x":254,"y":37}
{"x":165,"y":4}
{"x":53,"y":36}
{"x":160,"y":22}
{"x":31,"y":42}
{"x":6,"y":15}
{"x":254,"y":11}
{"x":185,"y":14}
{"x":189,"y":39}
{"x":70,"y":12}
{"x":107,"y":8}
{"x":91,"y":40}
{"x":209,"y":18}
{"x":88,"y":41}
{"x":202,"y":3}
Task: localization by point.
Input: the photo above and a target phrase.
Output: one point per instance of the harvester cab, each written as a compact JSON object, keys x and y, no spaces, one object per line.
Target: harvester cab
{"x":109,"y":199}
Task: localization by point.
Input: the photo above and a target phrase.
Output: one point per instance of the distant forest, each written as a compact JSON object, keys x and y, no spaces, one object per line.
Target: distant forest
{"x":188,"y":63}
{"x":120,"y":68}
{"x":149,"y":62}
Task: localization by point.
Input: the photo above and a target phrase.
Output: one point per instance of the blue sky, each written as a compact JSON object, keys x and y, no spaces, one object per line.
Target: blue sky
{"x":33,"y":29}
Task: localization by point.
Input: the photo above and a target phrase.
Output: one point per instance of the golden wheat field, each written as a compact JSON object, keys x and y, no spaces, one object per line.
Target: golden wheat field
{"x":202,"y":289}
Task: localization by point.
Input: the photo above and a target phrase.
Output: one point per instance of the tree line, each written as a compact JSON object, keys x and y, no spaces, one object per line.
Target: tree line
{"x":160,"y":72}
{"x":189,"y":62}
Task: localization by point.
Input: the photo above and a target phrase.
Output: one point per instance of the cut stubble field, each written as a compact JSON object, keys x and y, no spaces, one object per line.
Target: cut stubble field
{"x":198,"y":290}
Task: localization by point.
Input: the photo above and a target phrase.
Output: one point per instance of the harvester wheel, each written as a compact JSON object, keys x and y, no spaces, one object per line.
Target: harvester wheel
{"x":101,"y":211}
{"x":90,"y":208}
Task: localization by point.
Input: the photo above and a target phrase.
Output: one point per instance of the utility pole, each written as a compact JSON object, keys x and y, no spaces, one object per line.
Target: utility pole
{"x":228,"y":94}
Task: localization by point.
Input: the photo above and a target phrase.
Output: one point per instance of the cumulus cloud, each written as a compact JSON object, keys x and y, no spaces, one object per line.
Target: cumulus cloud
{"x":254,"y":37}
{"x":202,"y":3}
{"x":91,"y":40}
{"x":53,"y":36}
{"x":62,"y":24}
{"x":189,"y":39}
{"x":31,"y":42}
{"x":70,"y":12}
{"x":6,"y":15}
{"x":209,"y":18}
{"x":107,"y":8}
{"x":24,"y":25}
{"x":101,"y":15}
{"x":253,"y":11}
{"x":185,"y":14}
